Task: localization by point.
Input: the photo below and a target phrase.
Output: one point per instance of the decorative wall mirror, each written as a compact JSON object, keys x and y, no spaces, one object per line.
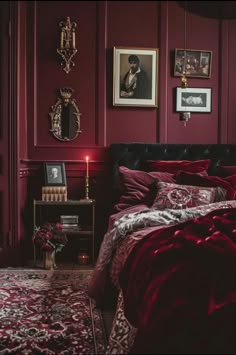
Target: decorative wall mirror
{"x":65,"y":116}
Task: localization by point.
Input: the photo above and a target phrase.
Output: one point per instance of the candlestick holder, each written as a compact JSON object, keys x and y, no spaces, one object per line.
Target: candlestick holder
{"x":87,"y":198}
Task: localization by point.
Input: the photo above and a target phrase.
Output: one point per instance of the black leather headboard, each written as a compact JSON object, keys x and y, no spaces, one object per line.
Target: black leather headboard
{"x":134,"y":155}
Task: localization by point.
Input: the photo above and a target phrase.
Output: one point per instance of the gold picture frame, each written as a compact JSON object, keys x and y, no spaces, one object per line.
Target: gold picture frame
{"x":197,"y":62}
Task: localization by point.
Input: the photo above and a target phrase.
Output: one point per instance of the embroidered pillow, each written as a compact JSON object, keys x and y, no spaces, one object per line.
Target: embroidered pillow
{"x":173,"y":166}
{"x":210,"y":181}
{"x":176,"y":196}
{"x":138,"y":186}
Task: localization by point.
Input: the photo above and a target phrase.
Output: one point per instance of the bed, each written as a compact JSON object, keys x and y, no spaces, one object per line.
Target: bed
{"x":170,"y":249}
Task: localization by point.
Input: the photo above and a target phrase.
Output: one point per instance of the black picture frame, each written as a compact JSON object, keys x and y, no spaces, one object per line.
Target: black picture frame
{"x":54,"y":174}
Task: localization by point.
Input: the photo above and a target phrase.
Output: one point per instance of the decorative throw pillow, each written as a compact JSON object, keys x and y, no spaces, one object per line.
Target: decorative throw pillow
{"x":173,"y":166}
{"x":176,"y":196}
{"x":138,"y":186}
{"x":210,"y":181}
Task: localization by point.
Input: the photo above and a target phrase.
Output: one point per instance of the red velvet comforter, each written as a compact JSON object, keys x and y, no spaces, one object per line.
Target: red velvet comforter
{"x":179,"y":287}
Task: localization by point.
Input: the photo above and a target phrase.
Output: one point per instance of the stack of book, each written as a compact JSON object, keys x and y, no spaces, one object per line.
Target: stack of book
{"x":54,"y":193}
{"x":70,"y":222}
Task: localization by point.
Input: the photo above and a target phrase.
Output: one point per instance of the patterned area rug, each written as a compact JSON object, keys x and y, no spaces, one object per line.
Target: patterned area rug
{"x":48,"y":312}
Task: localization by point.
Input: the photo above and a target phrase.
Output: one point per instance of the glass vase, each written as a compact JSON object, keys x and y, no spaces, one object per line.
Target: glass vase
{"x":49,"y":260}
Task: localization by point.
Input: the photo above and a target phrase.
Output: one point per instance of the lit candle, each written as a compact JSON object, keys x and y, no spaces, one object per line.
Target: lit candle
{"x":87,"y":166}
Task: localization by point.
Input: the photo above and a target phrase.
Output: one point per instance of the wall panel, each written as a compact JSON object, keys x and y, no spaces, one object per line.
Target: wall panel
{"x":46,"y":76}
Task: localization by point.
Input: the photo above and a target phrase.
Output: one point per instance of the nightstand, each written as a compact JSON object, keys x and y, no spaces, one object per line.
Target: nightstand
{"x":85,"y":210}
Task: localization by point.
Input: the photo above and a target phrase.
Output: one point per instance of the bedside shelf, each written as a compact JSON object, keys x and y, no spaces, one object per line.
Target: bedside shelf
{"x":85,"y":210}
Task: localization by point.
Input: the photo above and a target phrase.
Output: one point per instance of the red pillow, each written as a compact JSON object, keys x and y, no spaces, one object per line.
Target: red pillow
{"x":232,"y":180}
{"x":176,"y":196}
{"x":138,"y":186}
{"x":210,"y":181}
{"x":227,"y":170}
{"x":173,"y":166}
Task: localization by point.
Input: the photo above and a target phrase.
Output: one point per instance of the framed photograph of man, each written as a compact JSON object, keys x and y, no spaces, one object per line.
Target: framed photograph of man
{"x":193,"y":99}
{"x":54,"y":174}
{"x":135,"y":76}
{"x":196,"y":63}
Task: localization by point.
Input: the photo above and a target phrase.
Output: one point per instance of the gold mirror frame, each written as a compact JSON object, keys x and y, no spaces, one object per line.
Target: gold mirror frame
{"x":65,"y":116}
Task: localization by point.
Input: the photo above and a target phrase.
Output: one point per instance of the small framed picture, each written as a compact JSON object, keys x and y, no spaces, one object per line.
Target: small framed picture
{"x":193,"y":99}
{"x":135,"y":76}
{"x":54,"y":174}
{"x":195,"y":63}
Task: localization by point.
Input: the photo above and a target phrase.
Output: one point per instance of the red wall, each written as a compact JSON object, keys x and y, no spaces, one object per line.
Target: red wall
{"x":101,"y":25}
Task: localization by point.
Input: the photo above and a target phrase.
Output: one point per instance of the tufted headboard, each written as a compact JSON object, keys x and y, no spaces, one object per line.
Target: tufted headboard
{"x":134,"y":156}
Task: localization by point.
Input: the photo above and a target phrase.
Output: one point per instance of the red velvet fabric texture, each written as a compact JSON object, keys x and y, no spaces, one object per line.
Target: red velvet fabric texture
{"x":232,"y":180}
{"x":182,"y":196}
{"x":179,"y":287}
{"x":210,"y":181}
{"x":228,"y":170}
{"x":173,"y":166}
{"x":138,"y":187}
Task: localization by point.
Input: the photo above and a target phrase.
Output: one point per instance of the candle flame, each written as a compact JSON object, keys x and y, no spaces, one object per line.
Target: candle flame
{"x":87,"y":158}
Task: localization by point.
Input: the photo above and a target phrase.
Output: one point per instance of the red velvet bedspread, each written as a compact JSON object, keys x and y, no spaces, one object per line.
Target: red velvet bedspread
{"x":179,"y":287}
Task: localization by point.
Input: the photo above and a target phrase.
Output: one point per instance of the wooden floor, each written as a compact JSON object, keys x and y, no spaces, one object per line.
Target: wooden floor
{"x":60,"y":265}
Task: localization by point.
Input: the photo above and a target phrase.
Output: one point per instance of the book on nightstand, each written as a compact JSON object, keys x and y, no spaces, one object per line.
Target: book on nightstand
{"x":54,"y":193}
{"x":70,"y":222}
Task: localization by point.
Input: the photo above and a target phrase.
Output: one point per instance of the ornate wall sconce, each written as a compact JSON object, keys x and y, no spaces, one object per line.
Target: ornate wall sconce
{"x":67,"y":43}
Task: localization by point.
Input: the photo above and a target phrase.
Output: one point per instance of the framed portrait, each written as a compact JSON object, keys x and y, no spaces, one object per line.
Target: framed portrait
{"x":54,"y":174}
{"x":135,"y":76}
{"x":197,"y":63}
{"x":193,"y":99}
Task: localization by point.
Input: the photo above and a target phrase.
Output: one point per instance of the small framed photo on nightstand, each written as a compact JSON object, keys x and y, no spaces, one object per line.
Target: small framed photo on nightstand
{"x":54,"y":174}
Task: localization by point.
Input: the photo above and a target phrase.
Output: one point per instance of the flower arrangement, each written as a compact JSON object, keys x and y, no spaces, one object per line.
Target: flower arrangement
{"x":49,"y":237}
